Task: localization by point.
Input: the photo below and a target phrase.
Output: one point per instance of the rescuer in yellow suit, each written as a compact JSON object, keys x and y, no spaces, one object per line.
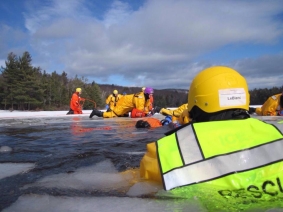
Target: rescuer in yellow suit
{"x":178,"y":116}
{"x":112,"y":100}
{"x":177,"y":112}
{"x":272,"y":107}
{"x":139,"y":101}
{"x":183,"y":118}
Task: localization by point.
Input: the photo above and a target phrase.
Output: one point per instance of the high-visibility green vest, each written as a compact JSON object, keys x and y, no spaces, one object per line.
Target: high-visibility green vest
{"x":229,"y":155}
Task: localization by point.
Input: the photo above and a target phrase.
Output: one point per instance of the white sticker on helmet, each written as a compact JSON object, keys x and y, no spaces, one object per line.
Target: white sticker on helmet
{"x":232,"y":97}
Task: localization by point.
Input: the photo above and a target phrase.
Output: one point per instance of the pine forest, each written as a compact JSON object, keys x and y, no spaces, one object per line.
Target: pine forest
{"x":25,"y":87}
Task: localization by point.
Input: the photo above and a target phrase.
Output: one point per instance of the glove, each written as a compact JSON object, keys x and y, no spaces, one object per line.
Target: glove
{"x":156,"y":109}
{"x":107,"y":107}
{"x":166,"y":121}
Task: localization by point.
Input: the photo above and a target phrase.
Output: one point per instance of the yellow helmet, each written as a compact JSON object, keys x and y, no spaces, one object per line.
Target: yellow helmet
{"x":143,"y":88}
{"x":79,"y":90}
{"x":115,"y":92}
{"x":218,"y":88}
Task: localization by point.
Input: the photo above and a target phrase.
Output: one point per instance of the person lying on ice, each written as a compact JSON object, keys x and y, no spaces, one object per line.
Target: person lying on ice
{"x":138,"y":104}
{"x":167,"y":112}
{"x":75,"y":106}
{"x":272,"y":107}
{"x":173,"y":118}
{"x":178,"y":116}
{"x":222,"y":146}
{"x":149,"y":123}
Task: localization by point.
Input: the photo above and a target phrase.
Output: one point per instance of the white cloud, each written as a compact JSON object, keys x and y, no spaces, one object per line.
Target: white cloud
{"x":117,"y":14}
{"x":265,"y":71}
{"x":2,"y":63}
{"x":160,"y":40}
{"x":10,"y":38}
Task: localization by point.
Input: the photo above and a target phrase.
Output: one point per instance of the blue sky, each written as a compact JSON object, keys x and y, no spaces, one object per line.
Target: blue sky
{"x":157,"y":43}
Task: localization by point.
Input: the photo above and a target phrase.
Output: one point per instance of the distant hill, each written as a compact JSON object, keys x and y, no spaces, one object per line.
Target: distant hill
{"x":177,"y":90}
{"x":109,"y":88}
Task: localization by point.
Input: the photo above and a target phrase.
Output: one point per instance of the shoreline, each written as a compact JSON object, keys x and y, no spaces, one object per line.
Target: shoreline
{"x":6,"y":114}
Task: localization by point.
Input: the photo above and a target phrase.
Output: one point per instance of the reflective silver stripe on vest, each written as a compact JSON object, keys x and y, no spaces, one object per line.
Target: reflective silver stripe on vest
{"x":188,"y":145}
{"x":223,"y":165}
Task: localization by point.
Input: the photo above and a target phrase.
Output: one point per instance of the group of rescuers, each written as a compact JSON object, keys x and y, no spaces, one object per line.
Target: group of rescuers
{"x":218,"y":100}
{"x":141,"y":105}
{"x":117,"y":105}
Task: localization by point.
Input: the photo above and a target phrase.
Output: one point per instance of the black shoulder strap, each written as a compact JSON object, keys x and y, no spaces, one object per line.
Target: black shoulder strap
{"x":176,"y":129}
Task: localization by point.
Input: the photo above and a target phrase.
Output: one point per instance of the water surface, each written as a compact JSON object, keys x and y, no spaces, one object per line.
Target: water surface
{"x":74,"y":163}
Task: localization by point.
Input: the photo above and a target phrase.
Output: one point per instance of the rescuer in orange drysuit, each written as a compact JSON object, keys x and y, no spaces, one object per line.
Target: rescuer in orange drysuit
{"x":137,"y":104}
{"x":272,"y":107}
{"x":75,"y":106}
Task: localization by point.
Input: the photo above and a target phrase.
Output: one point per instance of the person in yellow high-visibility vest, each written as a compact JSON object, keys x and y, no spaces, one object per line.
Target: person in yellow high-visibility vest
{"x":221,"y":151}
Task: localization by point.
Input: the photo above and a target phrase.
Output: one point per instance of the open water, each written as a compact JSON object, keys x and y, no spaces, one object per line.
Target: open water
{"x":73,"y":163}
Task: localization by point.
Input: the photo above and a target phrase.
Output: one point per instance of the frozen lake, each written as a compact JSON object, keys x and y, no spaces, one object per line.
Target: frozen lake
{"x":53,"y":162}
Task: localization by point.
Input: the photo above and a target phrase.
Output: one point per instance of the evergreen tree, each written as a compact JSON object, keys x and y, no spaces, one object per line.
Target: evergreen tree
{"x":160,"y":101}
{"x":2,"y":95}
{"x":58,"y":90}
{"x":31,"y":95}
{"x":94,"y":93}
{"x":10,"y":81}
{"x":55,"y":95}
{"x":46,"y":87}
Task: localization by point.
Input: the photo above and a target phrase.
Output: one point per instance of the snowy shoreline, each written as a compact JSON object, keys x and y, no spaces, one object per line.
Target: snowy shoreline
{"x":6,"y":114}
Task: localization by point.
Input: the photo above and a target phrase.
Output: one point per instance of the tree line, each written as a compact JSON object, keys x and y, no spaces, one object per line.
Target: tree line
{"x":25,"y":87}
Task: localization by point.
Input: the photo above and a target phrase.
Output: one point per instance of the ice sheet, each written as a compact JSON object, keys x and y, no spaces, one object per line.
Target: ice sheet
{"x":39,"y":203}
{"x":10,"y":169}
